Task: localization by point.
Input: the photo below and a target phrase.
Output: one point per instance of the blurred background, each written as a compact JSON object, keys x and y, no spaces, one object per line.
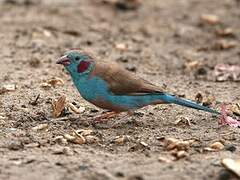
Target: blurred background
{"x":189,"y":47}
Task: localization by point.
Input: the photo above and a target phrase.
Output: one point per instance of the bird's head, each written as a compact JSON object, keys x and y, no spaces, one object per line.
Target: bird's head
{"x":77,"y":62}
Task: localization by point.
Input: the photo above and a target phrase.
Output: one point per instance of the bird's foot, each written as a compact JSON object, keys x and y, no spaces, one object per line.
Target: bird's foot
{"x":105,"y":117}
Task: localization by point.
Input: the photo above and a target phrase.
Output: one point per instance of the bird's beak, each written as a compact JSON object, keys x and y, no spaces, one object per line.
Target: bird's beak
{"x":64,"y":60}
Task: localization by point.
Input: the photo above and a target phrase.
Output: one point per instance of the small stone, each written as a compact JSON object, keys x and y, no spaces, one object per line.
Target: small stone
{"x":210,"y":19}
{"x":60,"y":140}
{"x":217,"y":146}
{"x":232,"y":165}
{"x":164,"y":159}
{"x":121,"y":46}
{"x":127,"y":4}
{"x":181,"y":154}
{"x":225,"y":175}
{"x":131,"y":68}
{"x":92,"y":139}
{"x":15,"y":145}
{"x":144,"y":144}
{"x":40,"y":127}
{"x":63,"y":150}
{"x":119,"y":174}
{"x":83,"y":167}
{"x":230,"y":147}
{"x":35,"y":62}
{"x":135,"y":177}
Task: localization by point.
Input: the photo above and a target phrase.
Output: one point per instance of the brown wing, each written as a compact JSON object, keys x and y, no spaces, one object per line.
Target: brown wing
{"x":121,"y":81}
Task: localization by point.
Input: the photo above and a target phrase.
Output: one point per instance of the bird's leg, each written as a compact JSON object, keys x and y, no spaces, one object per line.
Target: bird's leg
{"x":106,"y":116}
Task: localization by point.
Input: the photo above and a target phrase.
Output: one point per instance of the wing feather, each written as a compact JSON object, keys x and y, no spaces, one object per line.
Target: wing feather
{"x":121,"y":81}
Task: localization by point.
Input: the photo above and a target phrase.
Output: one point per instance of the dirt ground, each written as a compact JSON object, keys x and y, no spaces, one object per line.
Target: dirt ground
{"x":158,"y":41}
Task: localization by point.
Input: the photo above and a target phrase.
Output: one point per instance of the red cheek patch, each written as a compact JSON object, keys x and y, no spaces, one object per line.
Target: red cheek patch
{"x":83,"y":66}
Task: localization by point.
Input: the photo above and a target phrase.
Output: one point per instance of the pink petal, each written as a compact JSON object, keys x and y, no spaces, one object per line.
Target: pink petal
{"x":227,"y":120}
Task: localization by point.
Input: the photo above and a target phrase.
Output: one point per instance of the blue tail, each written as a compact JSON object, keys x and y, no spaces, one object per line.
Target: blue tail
{"x":175,"y":100}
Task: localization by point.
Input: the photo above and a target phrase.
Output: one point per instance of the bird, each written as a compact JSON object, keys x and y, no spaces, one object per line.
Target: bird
{"x":111,"y":87}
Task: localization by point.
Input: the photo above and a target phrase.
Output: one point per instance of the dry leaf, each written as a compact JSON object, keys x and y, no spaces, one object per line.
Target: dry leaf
{"x":45,"y":85}
{"x":77,"y":139}
{"x":210,"y":19}
{"x":82,"y":136}
{"x":85,"y":132}
{"x":120,"y":140}
{"x":224,"y":45}
{"x":172,"y":143}
{"x":225,"y":32}
{"x":236,"y":109}
{"x":58,"y":106}
{"x":40,"y":127}
{"x":232,"y":165}
{"x":55,"y":81}
{"x":184,"y":120}
{"x":75,"y":109}
{"x":192,"y":65}
{"x":52,"y":83}
{"x":7,"y":88}
{"x":224,"y":72}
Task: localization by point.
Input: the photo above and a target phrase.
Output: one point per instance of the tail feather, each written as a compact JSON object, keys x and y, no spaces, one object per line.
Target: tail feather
{"x":187,"y":103}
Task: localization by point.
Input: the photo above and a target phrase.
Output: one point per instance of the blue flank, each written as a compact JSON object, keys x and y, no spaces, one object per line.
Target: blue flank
{"x":91,"y":89}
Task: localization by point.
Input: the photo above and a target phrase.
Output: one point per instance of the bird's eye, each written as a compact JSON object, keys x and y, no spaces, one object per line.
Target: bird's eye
{"x":77,"y":58}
